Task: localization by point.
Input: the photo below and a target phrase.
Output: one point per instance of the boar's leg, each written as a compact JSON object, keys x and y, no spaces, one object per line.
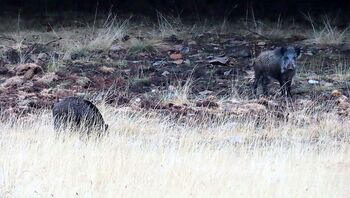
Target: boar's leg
{"x":265,"y":83}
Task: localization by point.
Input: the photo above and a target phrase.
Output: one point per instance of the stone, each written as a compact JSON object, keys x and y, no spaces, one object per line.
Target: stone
{"x":165,"y":73}
{"x":344,"y":105}
{"x":178,"y":62}
{"x":13,"y":81}
{"x":12,"y":56}
{"x":241,"y":52}
{"x":159,"y":63}
{"x":219,"y":60}
{"x":3,"y":70}
{"x":336,"y":93}
{"x":62,"y":93}
{"x":261,"y":43}
{"x":48,"y":78}
{"x":175,"y":56}
{"x":28,"y":70}
{"x":313,"y":82}
{"x":83,"y":81}
{"x":106,"y":70}
{"x":42,"y":59}
{"x":116,"y":48}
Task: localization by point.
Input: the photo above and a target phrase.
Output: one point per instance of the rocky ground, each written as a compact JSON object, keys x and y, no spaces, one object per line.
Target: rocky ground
{"x":199,"y":73}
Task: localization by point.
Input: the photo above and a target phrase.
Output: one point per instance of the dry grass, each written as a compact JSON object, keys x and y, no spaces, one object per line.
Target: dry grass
{"x":147,"y":156}
{"x":326,"y":33}
{"x":178,"y":94}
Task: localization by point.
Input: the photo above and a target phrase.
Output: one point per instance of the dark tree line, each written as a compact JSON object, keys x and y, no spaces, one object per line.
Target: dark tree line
{"x":208,"y":8}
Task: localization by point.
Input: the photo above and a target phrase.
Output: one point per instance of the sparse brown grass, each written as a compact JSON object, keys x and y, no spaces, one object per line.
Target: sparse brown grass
{"x":151,"y":156}
{"x":326,"y":33}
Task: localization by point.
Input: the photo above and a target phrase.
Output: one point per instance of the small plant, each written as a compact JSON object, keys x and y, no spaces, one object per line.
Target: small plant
{"x":179,"y":94}
{"x":326,"y":33}
{"x":54,"y":64}
{"x":121,"y":63}
{"x":168,"y":26}
{"x":138,"y":46}
{"x":111,"y":30}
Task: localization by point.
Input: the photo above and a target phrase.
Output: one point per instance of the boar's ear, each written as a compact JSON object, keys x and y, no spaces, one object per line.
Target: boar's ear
{"x":297,"y":50}
{"x":283,"y":50}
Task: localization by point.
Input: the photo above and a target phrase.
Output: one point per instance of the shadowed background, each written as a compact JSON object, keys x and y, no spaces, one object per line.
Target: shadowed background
{"x":193,"y":8}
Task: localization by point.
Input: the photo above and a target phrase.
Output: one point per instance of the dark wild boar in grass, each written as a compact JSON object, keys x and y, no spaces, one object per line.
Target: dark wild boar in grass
{"x":77,"y":113}
{"x":279,"y":64}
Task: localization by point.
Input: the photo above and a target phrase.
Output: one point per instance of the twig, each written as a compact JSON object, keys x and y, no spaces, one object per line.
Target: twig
{"x":256,"y":33}
{"x":55,"y":40}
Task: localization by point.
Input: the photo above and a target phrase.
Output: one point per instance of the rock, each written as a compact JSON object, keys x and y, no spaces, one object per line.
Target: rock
{"x":328,"y":84}
{"x":116,"y":48}
{"x":207,"y":103}
{"x":219,"y":60}
{"x":67,"y":57}
{"x":263,"y":101}
{"x":12,"y":56}
{"x":192,"y":43}
{"x":205,"y":92}
{"x":261,"y":43}
{"x":165,"y":73}
{"x":83,"y":81}
{"x":178,"y":62}
{"x":135,"y":103}
{"x":62,"y":93}
{"x":255,"y":107}
{"x":28,"y":70}
{"x":313,"y":82}
{"x":226,"y":73}
{"x":342,"y":98}
{"x":42,"y":60}
{"x":241,"y":52}
{"x":187,"y":62}
{"x":30,"y":74}
{"x":175,"y":56}
{"x":2,"y":61}
{"x":159,"y":63}
{"x":3,"y":70}
{"x":336,"y":93}
{"x":106,"y":70}
{"x":304,"y":102}
{"x":125,"y":38}
{"x":343,"y":113}
{"x":344,"y":105}
{"x":48,"y":78}
{"x":248,"y":109}
{"x":37,"y":86}
{"x":182,"y":49}
{"x":13,"y":81}
{"x":173,"y":39}
{"x":309,"y":53}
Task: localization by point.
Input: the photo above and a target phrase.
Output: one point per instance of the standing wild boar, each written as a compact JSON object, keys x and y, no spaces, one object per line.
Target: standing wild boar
{"x":78,"y":113}
{"x":280,"y":64}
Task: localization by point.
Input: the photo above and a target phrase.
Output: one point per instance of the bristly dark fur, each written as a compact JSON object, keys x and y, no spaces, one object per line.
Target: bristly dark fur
{"x":75,"y":111}
{"x":279,"y":64}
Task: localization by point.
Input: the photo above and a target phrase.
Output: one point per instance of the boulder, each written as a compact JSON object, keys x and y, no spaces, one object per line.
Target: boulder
{"x":106,"y":70}
{"x":13,"y":81}
{"x":28,"y":70}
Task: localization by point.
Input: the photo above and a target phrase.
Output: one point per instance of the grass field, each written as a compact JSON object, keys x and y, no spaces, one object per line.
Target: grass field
{"x":151,"y":156}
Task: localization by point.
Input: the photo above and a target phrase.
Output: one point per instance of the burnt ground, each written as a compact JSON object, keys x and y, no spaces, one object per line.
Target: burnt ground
{"x":213,"y":71}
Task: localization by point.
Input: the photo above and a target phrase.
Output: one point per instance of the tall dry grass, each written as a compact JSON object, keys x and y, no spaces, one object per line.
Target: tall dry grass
{"x":152,"y":156}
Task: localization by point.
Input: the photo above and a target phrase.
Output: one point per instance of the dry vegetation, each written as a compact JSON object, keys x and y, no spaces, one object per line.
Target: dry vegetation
{"x":147,"y":156}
